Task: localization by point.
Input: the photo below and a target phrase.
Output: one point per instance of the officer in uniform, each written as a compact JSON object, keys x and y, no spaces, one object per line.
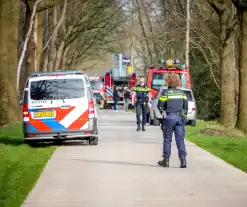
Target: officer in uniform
{"x":141,"y":97}
{"x":174,"y":106}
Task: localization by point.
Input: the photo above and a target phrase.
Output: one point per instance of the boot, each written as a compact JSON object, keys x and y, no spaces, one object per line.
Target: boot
{"x":138,"y":127}
{"x":164,"y":162}
{"x":183,"y":162}
{"x":143,"y":128}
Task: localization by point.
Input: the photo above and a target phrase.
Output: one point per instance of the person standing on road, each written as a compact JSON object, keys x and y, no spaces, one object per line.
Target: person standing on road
{"x":126,"y":98}
{"x":115,"y":98}
{"x":102,"y":101}
{"x":141,"y":97}
{"x":174,"y":106}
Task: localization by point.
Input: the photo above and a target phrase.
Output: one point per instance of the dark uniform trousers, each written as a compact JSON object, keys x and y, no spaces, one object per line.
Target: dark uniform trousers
{"x":141,"y":109}
{"x":173,"y":123}
{"x":141,"y":103}
{"x":173,"y":102}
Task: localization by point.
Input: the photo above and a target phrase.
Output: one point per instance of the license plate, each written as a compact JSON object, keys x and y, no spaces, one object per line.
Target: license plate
{"x":44,"y":114}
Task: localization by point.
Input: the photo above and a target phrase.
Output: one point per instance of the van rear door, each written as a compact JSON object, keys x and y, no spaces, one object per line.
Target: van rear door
{"x":43,"y":105}
{"x":72,"y":103}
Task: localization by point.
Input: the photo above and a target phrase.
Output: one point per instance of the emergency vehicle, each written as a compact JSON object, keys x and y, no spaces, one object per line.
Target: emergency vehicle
{"x":98,"y":87}
{"x":110,"y":83}
{"x":59,"y":106}
{"x":156,"y":75}
{"x":121,"y":75}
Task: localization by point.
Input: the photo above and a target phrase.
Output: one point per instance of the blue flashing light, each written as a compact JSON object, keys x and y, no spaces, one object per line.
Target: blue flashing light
{"x":134,"y":74}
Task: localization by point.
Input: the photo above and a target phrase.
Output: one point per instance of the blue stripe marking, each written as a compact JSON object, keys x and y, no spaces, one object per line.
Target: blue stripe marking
{"x":32,"y":128}
{"x":33,"y":110}
{"x":53,"y":124}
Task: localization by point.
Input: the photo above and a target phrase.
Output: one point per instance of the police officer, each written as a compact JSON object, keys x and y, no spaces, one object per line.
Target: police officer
{"x":141,"y":97}
{"x":175,"y":105}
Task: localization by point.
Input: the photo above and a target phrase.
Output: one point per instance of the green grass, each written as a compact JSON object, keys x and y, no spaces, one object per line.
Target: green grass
{"x":20,"y":166}
{"x":232,"y":149}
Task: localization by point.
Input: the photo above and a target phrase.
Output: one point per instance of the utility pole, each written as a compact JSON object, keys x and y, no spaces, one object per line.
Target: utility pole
{"x":132,"y":35}
{"x":187,"y":49}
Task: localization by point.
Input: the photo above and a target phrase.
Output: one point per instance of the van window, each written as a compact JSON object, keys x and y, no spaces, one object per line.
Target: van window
{"x":43,"y":90}
{"x":70,"y":88}
{"x":158,"y":80}
{"x":57,"y":89}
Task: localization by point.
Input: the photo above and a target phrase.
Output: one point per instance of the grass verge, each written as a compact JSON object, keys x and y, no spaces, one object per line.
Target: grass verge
{"x":229,"y":145}
{"x":20,"y":166}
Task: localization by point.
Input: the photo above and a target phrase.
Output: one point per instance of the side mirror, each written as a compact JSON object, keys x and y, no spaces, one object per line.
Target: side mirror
{"x":21,"y":102}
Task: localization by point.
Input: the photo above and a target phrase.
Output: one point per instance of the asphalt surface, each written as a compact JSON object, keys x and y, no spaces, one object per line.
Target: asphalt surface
{"x":122,"y":171}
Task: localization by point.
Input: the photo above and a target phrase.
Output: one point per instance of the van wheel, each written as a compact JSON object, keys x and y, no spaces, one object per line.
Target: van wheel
{"x":156,"y":122}
{"x":192,"y":123}
{"x":93,"y":141}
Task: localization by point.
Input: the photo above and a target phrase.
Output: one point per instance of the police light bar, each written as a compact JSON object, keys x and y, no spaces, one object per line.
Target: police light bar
{"x":57,"y":73}
{"x":170,"y":63}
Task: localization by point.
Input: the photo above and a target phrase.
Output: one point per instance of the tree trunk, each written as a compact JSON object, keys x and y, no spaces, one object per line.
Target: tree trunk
{"x":59,"y":55}
{"x":40,"y":33}
{"x":242,"y":115}
{"x":31,"y":55}
{"x":45,"y":52}
{"x":56,"y":25}
{"x":29,"y":62}
{"x":150,"y":27}
{"x":144,"y":33}
{"x":63,"y":61}
{"x":28,"y":14}
{"x":60,"y":50}
{"x":9,"y":21}
{"x":52,"y":47}
{"x":227,"y":70}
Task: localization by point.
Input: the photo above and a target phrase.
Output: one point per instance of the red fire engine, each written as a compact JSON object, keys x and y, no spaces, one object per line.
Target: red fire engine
{"x":156,"y":75}
{"x":110,"y":83}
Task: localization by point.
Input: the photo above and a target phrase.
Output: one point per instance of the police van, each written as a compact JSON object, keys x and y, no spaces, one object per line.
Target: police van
{"x":59,"y":106}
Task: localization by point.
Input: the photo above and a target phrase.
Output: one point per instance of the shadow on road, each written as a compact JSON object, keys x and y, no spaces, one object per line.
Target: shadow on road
{"x":74,"y":143}
{"x":117,"y":163}
{"x":11,"y":141}
{"x":59,"y":143}
{"x":19,"y":141}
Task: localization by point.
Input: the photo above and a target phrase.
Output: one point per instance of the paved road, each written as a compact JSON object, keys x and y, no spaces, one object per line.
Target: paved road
{"x":122,"y":171}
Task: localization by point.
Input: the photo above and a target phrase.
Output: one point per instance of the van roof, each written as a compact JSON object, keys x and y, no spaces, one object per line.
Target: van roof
{"x":57,"y":73}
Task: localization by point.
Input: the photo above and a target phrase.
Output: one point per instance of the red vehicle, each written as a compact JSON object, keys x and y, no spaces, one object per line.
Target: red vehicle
{"x":97,"y":86}
{"x":132,"y":81}
{"x":156,"y":76}
{"x":110,"y":83}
